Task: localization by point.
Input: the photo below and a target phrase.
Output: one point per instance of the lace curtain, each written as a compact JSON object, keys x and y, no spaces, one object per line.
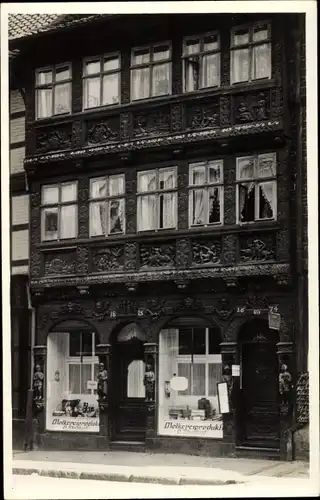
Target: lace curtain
{"x":156,"y":209}
{"x":135,"y":385}
{"x":99,"y":209}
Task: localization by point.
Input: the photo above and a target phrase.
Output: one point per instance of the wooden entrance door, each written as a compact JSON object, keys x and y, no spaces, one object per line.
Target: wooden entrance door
{"x":259,"y":409}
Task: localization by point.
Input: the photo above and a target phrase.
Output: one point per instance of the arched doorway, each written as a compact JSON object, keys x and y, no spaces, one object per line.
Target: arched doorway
{"x":258,"y":411}
{"x":127,"y":388}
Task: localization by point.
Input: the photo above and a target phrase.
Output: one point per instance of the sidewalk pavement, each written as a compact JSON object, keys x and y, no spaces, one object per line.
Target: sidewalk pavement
{"x":160,"y":468}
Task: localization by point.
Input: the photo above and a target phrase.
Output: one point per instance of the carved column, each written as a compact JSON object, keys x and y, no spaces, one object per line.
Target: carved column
{"x":151,"y":358}
{"x":229,"y":355}
{"x":103,"y":351}
{"x":39,"y":386}
{"x":183,"y":196}
{"x":286,"y":397}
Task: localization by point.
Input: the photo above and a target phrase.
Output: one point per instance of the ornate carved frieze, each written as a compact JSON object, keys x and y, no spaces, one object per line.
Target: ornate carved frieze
{"x":183,"y":199}
{"x":229,"y":249}
{"x":206,"y":252}
{"x":154,"y":123}
{"x":59,"y":263}
{"x":257,"y":302}
{"x":103,"y":131}
{"x":157,"y":255}
{"x":83,"y":208}
{"x":82,"y":259}
{"x":182,"y":253}
{"x":108,"y":259}
{"x":230,"y":204}
{"x":225,"y":111}
{"x":203,"y":116}
{"x":189,"y":303}
{"x":70,"y":308}
{"x":153,"y":308}
{"x":130,"y":256}
{"x":251,"y":107}
{"x":176,"y":117}
{"x":53,"y":139}
{"x":257,"y":248}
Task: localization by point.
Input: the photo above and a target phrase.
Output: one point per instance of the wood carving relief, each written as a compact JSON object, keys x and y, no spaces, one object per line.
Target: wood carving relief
{"x":82,"y":259}
{"x":206,"y":252}
{"x":76,"y":137}
{"x":225,"y":111}
{"x":52,"y":140}
{"x":155,"y":123}
{"x":83,"y":208}
{"x":257,"y":248}
{"x":61,"y":263}
{"x":126,"y":126}
{"x":176,"y":117}
{"x":251,"y":107}
{"x":203,"y":116}
{"x":130,"y":256}
{"x":109,"y":259}
{"x":103,"y":131}
{"x":182,"y":253}
{"x":229,"y":249}
{"x":157,"y":255}
{"x":183,"y":200}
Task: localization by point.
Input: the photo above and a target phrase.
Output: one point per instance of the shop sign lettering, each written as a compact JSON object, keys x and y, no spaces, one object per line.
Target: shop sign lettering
{"x":75,"y":424}
{"x":192,"y":428}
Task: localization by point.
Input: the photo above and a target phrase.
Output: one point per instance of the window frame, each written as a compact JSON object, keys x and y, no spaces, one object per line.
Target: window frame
{"x":81,"y":360}
{"x":206,"y":187}
{"x":156,"y":194}
{"x":199,"y":54}
{"x":151,"y":64}
{"x":107,"y":199}
{"x":257,"y":181}
{"x":52,"y":86}
{"x":249,"y":45}
{"x":100,"y":74}
{"x":58,"y":205}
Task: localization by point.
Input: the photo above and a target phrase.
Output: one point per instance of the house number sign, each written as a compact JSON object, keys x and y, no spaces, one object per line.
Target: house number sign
{"x":242,"y":310}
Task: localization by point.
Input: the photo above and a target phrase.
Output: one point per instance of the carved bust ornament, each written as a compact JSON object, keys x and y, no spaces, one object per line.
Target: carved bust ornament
{"x":38,"y":379}
{"x":149,"y":381}
{"x":285,"y":383}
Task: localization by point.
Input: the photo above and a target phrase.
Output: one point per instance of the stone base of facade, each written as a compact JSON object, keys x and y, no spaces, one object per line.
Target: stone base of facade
{"x":301,"y":444}
{"x":192,"y":446}
{"x":18,"y":433}
{"x":71,"y":441}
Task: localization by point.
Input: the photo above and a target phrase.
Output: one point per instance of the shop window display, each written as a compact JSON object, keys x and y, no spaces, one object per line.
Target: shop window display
{"x":189,"y":370}
{"x":72,"y":387}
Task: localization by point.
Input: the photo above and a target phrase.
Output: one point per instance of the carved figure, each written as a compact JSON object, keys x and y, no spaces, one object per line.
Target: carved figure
{"x":260,"y":109}
{"x":227,"y":377}
{"x":285,"y":383}
{"x":101,"y":310}
{"x":149,"y":382}
{"x":102,"y":382}
{"x":38,"y":379}
{"x":243,"y":114}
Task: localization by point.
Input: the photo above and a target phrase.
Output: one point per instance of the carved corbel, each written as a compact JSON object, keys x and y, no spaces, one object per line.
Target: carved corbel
{"x":231,"y":283}
{"x":131,"y":287}
{"x":182,"y":284}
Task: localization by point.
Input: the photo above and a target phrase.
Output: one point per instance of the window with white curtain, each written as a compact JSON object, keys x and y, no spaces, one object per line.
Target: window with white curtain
{"x":59,"y":211}
{"x":82,"y":363}
{"x":157,"y":199}
{"x":53,"y":91}
{"x":256,"y":187}
{"x":107,"y":205}
{"x":251,"y":53}
{"x":206,"y":193}
{"x":201,"y":62}
{"x":101,"y":81}
{"x":151,"y":71}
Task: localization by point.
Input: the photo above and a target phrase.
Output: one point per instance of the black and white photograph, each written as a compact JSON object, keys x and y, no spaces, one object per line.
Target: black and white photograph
{"x":159,"y":206}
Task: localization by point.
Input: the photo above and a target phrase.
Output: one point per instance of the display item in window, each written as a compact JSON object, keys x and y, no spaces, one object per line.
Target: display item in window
{"x":204,"y":404}
{"x":149,"y":381}
{"x":167,"y":388}
{"x":102,"y":382}
{"x":38,"y":379}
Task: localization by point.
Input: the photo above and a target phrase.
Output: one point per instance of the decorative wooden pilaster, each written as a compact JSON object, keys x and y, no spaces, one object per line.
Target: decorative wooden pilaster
{"x":39,"y":385}
{"x":286,"y":398}
{"x":229,"y":354}
{"x":103,"y":352}
{"x":151,"y":358}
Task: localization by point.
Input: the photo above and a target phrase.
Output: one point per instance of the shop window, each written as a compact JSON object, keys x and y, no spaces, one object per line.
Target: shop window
{"x":189,"y":370}
{"x":107,"y":205}
{"x":53,"y":91}
{"x":59,"y":211}
{"x":101,"y":81}
{"x":206,"y":193}
{"x":151,"y":71}
{"x":201,"y":62}
{"x":250,"y":53}
{"x":72,"y":371}
{"x":157,"y":199}
{"x":256,"y":188}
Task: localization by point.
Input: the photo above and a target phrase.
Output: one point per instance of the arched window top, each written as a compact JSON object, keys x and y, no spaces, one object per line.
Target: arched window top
{"x":131,"y":331}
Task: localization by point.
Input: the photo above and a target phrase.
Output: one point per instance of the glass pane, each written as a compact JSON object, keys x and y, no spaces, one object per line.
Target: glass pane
{"x":74,"y":343}
{"x":214,"y":205}
{"x":210,"y":70}
{"x":69,"y":191}
{"x":98,"y":218}
{"x":50,"y":223}
{"x":192,"y":46}
{"x":116,"y":185}
{"x":111,"y":62}
{"x":50,"y":194}
{"x":211,"y":42}
{"x":267,"y":193}
{"x":91,"y":92}
{"x":240,"y":65}
{"x":110,"y":93}
{"x":167,"y":210}
{"x":69,"y":221}
{"x":192,"y":73}
{"x":167,"y":179}
{"x":215,"y":376}
{"x":245,"y":167}
{"x":147,"y":181}
{"x":215,"y":171}
{"x":98,"y":187}
{"x":161,"y":52}
{"x":214,"y":341}
{"x":184,"y":370}
{"x":266,"y":165}
{"x":260,"y":33}
{"x":44,"y":103}
{"x":198,"y":382}
{"x":62,"y":101}
{"x":147,"y":213}
{"x":74,"y":379}
{"x":185,"y":340}
{"x":141,"y":56}
{"x":240,"y":36}
{"x":198,"y":173}
{"x":44,"y":77}
{"x":198,"y":207}
{"x":86,"y":344}
{"x":160,"y":79}
{"x":140,"y":83}
{"x":261,"y":64}
{"x":116,"y":208}
{"x":92,"y":67}
{"x":199,"y":340}
{"x":63,"y":73}
{"x":246,"y":202}
{"x":85,"y":376}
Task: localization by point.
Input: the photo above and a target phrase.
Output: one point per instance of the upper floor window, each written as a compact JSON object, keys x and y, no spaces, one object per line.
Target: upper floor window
{"x":205,"y":193}
{"x":256,"y":188}
{"x":150,"y":71}
{"x":53,"y":91}
{"x":250,"y":53}
{"x":59,"y":217}
{"x":157,"y":199}
{"x":101,"y":81}
{"x":107,"y":205}
{"x":201,"y":62}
